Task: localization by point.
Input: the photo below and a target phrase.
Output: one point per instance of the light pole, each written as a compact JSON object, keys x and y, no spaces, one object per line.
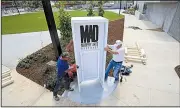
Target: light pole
{"x":119,"y":7}
{"x":52,"y":27}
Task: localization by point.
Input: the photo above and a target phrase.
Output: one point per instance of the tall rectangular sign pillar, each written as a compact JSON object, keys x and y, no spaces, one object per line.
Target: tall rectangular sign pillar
{"x":90,"y":37}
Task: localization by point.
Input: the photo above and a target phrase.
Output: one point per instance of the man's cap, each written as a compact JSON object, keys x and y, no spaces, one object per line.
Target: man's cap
{"x":65,"y":54}
{"x":118,"y":42}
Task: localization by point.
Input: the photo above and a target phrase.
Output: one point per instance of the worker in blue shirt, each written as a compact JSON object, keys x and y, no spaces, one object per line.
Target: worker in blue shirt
{"x":62,"y":76}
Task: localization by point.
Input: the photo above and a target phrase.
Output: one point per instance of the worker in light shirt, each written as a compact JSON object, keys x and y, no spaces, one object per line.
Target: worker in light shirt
{"x":118,"y":53}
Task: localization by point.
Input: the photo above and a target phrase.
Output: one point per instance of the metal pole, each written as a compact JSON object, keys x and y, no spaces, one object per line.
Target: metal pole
{"x":119,"y":7}
{"x":52,"y":27}
{"x":126,"y":4}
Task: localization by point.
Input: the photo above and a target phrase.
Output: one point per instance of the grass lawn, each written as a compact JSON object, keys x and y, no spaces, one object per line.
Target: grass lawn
{"x":33,"y":22}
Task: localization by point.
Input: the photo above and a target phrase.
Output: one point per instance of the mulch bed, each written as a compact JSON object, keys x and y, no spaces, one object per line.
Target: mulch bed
{"x":34,"y":66}
{"x":177,"y":69}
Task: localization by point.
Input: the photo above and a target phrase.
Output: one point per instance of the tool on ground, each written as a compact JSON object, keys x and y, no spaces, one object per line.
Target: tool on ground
{"x":125,"y":70}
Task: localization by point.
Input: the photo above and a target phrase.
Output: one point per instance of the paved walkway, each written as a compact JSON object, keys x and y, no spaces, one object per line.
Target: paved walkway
{"x":154,"y":84}
{"x":18,"y":46}
{"x":11,"y":14}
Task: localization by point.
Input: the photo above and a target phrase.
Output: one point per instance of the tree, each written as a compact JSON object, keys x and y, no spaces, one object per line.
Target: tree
{"x":32,"y":5}
{"x":64,"y":23}
{"x":15,"y":4}
{"x":57,"y":4}
{"x":100,"y":8}
{"x":90,"y":9}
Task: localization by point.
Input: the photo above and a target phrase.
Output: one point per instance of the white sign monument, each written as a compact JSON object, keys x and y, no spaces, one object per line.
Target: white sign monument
{"x":89,"y":38}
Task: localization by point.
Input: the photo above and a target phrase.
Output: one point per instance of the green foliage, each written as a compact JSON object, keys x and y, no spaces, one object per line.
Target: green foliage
{"x":130,"y":11}
{"x":31,"y":4}
{"x":64,"y":23}
{"x":64,"y":42}
{"x":30,"y":59}
{"x":93,"y":3}
{"x":50,"y":76}
{"x":136,"y":7}
{"x":100,"y":9}
{"x":25,"y":63}
{"x":90,"y":10}
{"x":57,"y":4}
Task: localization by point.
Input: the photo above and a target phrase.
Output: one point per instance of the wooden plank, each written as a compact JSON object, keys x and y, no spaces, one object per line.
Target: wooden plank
{"x":135,"y":57}
{"x":137,"y":45}
{"x":6,"y":78}
{"x":125,"y":50}
{"x":8,"y":72}
{"x":133,"y":52}
{"x":6,"y":75}
{"x":134,"y":60}
{"x":7,"y":83}
{"x":132,"y":48}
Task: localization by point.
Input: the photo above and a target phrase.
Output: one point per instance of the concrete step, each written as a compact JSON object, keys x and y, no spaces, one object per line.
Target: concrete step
{"x":6,"y":83}
{"x":6,"y":76}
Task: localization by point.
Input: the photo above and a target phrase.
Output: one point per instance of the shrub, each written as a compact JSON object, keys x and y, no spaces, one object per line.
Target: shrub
{"x":90,"y":10}
{"x":27,"y":66}
{"x":130,"y":11}
{"x":100,"y":8}
{"x":49,"y":77}
{"x":64,"y":23}
{"x":136,"y":7}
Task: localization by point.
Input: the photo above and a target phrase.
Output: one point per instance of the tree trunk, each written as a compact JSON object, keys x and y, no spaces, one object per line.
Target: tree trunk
{"x":126,"y":4}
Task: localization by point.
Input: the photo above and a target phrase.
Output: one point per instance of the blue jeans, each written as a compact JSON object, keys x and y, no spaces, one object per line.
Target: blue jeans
{"x":116,"y":67}
{"x":62,"y":81}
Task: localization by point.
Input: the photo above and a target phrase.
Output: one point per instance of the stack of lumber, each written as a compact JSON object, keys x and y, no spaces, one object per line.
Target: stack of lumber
{"x":6,"y":78}
{"x":135,"y":53}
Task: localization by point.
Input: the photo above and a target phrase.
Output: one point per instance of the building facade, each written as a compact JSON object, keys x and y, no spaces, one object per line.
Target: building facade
{"x":165,"y":14}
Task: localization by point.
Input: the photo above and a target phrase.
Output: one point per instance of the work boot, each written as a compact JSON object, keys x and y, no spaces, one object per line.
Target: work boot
{"x":56,"y":98}
{"x":116,"y":80}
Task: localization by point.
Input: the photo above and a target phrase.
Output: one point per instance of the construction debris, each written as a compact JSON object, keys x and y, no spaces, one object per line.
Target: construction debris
{"x":134,"y":28}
